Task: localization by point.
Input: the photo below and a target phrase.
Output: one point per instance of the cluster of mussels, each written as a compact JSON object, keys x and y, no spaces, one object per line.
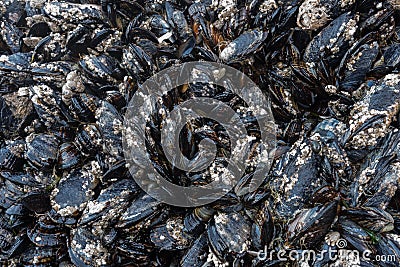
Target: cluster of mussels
{"x":330,"y":69}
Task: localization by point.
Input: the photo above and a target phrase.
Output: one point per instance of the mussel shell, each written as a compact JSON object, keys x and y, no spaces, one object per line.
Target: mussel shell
{"x":197,"y":254}
{"x":109,"y":124}
{"x":102,"y":68}
{"x":341,"y":31}
{"x":75,"y":190}
{"x":245,"y":44}
{"x":229,"y":234}
{"x":37,"y":202}
{"x":46,"y":233}
{"x":263,"y":229}
{"x":140,"y":213}
{"x":116,"y":99}
{"x":362,"y":60}
{"x":84,"y":106}
{"x":78,"y":40}
{"x":388,"y":247}
{"x":110,"y":202}
{"x":39,"y":29}
{"x":9,"y":193}
{"x":196,"y":220}
{"x":86,"y":249}
{"x":193,"y":225}
{"x":310,"y":226}
{"x":11,"y":156}
{"x":139,"y":252}
{"x":116,"y":172}
{"x":170,"y":235}
{"x":42,"y":151}
{"x":370,"y":218}
{"x":392,"y":55}
{"x":42,"y":256}
{"x":7,"y":119}
{"x":355,"y":235}
{"x":5,"y":239}
{"x":88,"y":139}
{"x":68,"y":157}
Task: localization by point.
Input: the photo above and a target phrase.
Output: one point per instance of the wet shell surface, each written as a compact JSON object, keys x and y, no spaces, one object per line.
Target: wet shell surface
{"x":330,"y":70}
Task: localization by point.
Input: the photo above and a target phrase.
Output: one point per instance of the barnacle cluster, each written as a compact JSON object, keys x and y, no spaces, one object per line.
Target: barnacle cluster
{"x":330,"y":69}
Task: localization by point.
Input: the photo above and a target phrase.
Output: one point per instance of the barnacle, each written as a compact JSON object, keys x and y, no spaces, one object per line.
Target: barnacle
{"x":68,"y":70}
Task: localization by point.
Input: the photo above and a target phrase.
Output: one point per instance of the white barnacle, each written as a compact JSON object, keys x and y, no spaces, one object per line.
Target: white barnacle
{"x":312,"y":15}
{"x":330,"y":89}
